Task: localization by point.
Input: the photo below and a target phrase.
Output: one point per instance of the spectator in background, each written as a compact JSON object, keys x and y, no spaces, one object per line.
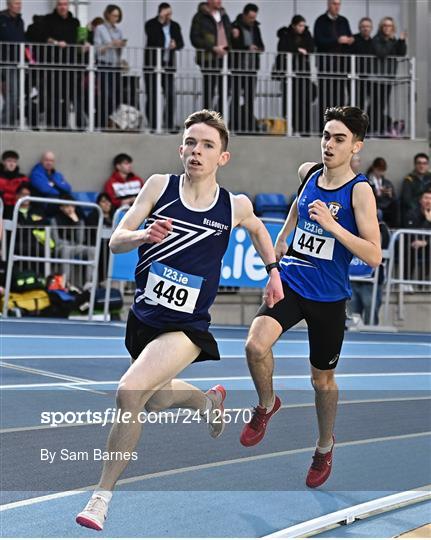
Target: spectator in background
{"x":72,"y":240}
{"x":11,"y":34}
{"x":63,"y":86}
{"x":109,"y":42}
{"x":364,"y":46}
{"x":46,"y":181}
{"x":413,"y":185}
{"x":123,"y":186}
{"x":332,"y":35}
{"x":162,"y":33}
{"x":418,"y":259}
{"x":92,"y":220}
{"x":245,"y":64}
{"x":296,"y":39}
{"x":384,"y":191}
{"x":211,"y":34}
{"x":91,"y":27}
{"x":385,"y":45}
{"x":10,"y":180}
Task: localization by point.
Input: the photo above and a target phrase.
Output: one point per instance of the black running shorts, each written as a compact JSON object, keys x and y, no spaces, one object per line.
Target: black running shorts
{"x":325,"y":322}
{"x":139,"y":334}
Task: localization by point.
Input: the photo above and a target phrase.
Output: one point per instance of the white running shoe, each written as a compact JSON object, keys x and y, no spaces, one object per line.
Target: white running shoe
{"x":216,"y":424}
{"x":94,"y":514}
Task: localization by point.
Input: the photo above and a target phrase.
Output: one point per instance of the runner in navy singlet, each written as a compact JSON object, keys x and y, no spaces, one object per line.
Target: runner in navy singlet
{"x":333,"y":218}
{"x":188,"y":222}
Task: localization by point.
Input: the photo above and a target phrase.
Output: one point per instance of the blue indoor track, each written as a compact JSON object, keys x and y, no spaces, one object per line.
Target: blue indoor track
{"x":185,"y":484}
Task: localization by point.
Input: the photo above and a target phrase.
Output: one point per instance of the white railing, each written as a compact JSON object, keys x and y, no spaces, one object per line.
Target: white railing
{"x":63,"y":256}
{"x":410,"y":251}
{"x":47,"y":87}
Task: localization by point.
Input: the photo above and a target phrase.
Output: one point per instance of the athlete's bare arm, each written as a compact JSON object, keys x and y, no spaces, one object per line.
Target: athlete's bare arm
{"x":126,"y":236}
{"x":245,"y":217}
{"x":367,"y":245}
{"x":280,"y":244}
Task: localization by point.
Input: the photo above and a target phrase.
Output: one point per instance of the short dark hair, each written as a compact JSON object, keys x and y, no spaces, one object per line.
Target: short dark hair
{"x":23,"y":185}
{"x":296,"y":19}
{"x":103,"y":195}
{"x":163,"y":5}
{"x":378,"y":163}
{"x":250,"y":7}
{"x":354,"y":118}
{"x":426,"y":190}
{"x":421,"y":155}
{"x":120,"y":158}
{"x":365,"y":19}
{"x":110,"y":8}
{"x":210,"y":118}
{"x":10,"y":154}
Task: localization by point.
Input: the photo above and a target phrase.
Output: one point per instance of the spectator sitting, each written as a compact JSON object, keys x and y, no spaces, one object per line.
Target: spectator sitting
{"x":92,"y":221}
{"x":46,"y":181}
{"x":72,"y":240}
{"x":10,"y":180}
{"x":419,"y":256}
{"x":123,"y":186}
{"x":384,"y":192}
{"x":413,"y":185}
{"x":360,"y":303}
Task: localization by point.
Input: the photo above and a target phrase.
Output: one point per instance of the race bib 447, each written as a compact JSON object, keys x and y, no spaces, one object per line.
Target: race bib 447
{"x":171,"y":288}
{"x":311,"y":239}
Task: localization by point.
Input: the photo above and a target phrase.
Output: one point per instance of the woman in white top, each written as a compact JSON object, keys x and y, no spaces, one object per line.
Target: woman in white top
{"x":109,"y":43}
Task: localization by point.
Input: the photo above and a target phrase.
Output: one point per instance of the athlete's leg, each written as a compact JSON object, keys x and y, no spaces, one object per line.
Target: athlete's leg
{"x":263,"y":333}
{"x":326,"y":399}
{"x":153,"y":369}
{"x":176,"y":393}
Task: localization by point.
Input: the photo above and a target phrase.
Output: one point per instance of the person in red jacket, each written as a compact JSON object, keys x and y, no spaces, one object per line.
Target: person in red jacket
{"x":123,"y":186}
{"x":10,"y":180}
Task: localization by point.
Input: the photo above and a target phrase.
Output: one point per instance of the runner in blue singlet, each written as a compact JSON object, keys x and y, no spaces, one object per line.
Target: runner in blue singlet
{"x":333,"y":218}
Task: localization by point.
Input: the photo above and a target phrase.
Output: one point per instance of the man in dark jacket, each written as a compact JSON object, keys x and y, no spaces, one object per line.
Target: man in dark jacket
{"x":245,"y":65}
{"x":332,"y":35}
{"x":364,"y":46}
{"x":62,"y":86}
{"x":162,"y":33}
{"x":386,"y":45}
{"x":296,"y":39}
{"x":11,"y":33}
{"x":413,"y":185}
{"x":211,"y":34}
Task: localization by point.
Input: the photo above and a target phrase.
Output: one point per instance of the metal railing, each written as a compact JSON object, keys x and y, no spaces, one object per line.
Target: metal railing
{"x":64,"y":256}
{"x":48,"y":87}
{"x":410,"y":250}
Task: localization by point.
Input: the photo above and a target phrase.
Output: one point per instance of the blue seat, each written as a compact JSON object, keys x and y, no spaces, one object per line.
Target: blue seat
{"x":85,"y":196}
{"x":271,"y":205}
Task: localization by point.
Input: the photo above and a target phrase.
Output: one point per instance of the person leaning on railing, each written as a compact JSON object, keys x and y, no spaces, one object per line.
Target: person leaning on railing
{"x":365,"y":65}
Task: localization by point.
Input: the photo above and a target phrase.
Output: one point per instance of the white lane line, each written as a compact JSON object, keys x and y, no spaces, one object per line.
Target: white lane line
{"x":52,"y":375}
{"x":229,"y":340}
{"x":290,"y":406}
{"x":239,"y":378}
{"x":205,"y":466}
{"x":223,"y":357}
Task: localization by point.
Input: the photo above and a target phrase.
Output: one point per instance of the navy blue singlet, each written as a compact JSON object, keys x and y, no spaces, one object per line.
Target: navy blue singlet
{"x":177,"y":280}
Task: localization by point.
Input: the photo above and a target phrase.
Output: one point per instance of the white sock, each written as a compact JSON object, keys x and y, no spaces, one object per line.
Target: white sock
{"x":104,"y":494}
{"x":269,"y":409}
{"x":323,"y":449}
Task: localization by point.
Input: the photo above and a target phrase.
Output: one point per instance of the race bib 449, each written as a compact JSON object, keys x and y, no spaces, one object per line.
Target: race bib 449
{"x":171,"y":288}
{"x":311,"y":239}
